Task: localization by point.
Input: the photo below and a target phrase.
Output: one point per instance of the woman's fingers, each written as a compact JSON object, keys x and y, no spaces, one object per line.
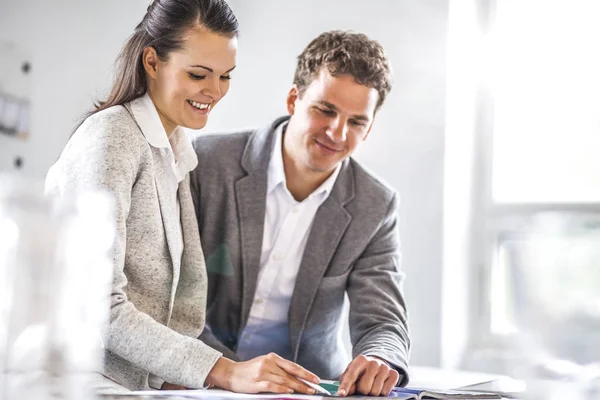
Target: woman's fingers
{"x":295,"y":370}
{"x":271,"y":373}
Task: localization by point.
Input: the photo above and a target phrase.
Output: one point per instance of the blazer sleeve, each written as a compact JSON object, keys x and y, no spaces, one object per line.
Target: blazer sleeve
{"x":104,"y":157}
{"x":378,"y":327}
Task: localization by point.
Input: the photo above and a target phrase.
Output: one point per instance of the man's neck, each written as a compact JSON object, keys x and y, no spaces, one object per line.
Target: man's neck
{"x":301,"y":182}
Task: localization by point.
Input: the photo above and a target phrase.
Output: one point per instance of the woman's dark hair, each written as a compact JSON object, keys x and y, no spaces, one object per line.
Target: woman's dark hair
{"x":163,"y":28}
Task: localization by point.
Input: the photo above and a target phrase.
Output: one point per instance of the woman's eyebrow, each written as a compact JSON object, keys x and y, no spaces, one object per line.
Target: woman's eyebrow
{"x":210,"y":69}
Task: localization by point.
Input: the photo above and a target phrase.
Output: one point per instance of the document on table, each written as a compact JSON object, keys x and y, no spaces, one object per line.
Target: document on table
{"x":216,"y":394}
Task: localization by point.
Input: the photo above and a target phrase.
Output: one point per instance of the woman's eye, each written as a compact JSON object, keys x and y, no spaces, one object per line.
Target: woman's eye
{"x":226,"y":77}
{"x":196,"y":77}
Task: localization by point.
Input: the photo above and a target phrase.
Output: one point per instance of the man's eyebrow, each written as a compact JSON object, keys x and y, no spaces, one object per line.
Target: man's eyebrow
{"x":210,"y":69}
{"x":334,"y":108}
{"x":327,"y":104}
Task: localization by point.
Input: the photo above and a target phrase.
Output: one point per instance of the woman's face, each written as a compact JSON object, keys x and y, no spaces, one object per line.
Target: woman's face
{"x":189,"y":84}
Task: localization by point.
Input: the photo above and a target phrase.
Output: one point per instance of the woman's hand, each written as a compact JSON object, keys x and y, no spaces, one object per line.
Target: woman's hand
{"x":269,"y":373}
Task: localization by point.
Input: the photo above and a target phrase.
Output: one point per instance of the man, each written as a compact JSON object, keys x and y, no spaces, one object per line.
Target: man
{"x":290,"y":223}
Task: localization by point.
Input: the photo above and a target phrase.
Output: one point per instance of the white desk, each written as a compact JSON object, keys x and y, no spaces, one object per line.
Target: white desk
{"x":421,"y":377}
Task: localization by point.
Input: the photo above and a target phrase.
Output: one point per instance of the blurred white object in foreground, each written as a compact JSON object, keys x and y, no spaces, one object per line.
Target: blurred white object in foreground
{"x":55,"y":279}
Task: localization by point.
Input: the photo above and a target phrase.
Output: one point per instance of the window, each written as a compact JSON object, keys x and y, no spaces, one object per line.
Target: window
{"x":544,"y":142}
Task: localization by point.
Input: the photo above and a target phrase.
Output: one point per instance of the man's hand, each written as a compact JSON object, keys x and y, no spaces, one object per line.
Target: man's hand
{"x":269,"y":373}
{"x":369,"y":376}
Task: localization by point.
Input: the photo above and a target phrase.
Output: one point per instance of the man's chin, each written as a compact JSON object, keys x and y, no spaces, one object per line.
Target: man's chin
{"x":322,"y":168}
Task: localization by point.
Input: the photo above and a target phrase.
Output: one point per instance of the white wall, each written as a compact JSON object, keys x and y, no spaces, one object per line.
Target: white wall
{"x":74,"y":42}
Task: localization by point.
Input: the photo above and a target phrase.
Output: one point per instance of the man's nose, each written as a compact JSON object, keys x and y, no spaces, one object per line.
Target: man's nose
{"x":337,"y":130}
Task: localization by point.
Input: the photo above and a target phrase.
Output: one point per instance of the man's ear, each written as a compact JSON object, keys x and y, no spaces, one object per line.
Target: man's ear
{"x":292,"y":96}
{"x":150,"y":61}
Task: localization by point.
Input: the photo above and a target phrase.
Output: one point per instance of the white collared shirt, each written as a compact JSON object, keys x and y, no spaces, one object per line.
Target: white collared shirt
{"x":181,"y":159}
{"x":286,"y":230}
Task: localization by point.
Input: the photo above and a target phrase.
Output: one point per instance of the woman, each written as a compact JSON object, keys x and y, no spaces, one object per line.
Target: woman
{"x":172,"y":72}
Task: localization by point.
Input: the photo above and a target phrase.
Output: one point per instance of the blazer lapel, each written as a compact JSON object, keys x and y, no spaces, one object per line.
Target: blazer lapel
{"x":192,"y":285}
{"x":164,"y":186}
{"x":250,"y":193}
{"x":330,"y":223}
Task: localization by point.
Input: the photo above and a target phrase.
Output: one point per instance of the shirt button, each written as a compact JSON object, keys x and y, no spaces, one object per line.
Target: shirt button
{"x":295,"y":210}
{"x":276,"y":257}
{"x":259,"y":301}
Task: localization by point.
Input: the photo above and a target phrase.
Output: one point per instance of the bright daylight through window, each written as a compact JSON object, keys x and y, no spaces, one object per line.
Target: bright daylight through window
{"x":546,"y":146}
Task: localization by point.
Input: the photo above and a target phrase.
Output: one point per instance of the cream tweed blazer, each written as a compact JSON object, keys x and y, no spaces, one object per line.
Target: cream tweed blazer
{"x":158,"y":302}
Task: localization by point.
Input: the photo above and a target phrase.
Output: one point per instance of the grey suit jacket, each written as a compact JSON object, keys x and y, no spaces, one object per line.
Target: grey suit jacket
{"x":353,"y":248}
{"x":158,"y":301}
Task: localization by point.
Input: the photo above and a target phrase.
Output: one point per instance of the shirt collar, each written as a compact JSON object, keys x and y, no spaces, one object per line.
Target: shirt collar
{"x":276,"y":174}
{"x":184,"y":158}
{"x":147,"y":117}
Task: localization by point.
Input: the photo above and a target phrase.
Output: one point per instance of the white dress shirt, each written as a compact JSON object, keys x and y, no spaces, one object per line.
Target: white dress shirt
{"x":181,"y":160}
{"x":181,"y":155}
{"x":286,"y":229}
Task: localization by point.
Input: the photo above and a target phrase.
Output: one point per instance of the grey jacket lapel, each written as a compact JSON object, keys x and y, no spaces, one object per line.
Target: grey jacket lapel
{"x":330,"y":223}
{"x":250,"y":193}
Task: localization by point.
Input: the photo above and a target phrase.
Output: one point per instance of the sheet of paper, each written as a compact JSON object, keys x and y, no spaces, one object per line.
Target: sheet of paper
{"x":217,"y":394}
{"x":446,"y":379}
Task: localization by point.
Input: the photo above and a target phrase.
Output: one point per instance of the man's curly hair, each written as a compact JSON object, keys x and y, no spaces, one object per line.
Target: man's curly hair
{"x":345,"y":53}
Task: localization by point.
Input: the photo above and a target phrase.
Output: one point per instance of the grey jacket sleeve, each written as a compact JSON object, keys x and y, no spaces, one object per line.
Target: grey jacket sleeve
{"x":378,"y":318}
{"x":106,"y":158}
{"x":208,"y":338}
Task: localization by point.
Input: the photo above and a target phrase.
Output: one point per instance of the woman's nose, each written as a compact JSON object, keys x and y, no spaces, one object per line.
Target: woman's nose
{"x":212,"y":89}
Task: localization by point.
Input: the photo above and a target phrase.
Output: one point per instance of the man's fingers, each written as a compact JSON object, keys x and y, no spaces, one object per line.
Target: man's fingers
{"x":379,"y":381}
{"x":352,"y":390}
{"x":353,"y":372}
{"x":295,"y":370}
{"x":390,"y":382}
{"x":365,"y":382}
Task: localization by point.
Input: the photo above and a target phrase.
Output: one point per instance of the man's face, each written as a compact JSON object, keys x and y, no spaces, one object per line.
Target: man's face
{"x":328,"y":121}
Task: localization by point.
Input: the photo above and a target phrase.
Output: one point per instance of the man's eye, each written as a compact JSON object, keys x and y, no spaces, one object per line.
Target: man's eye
{"x":326,"y":112}
{"x":196,"y":77}
{"x":356,"y":123}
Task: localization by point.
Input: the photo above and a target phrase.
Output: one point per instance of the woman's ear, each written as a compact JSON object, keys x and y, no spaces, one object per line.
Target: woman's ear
{"x":150,"y":61}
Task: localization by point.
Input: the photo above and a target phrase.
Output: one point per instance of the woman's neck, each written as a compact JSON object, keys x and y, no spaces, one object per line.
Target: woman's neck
{"x":168,"y":125}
